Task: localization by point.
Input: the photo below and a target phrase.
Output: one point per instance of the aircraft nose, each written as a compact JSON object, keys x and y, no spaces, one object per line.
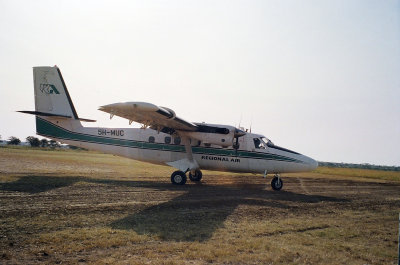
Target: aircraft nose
{"x":313,"y":164}
{"x":309,"y":163}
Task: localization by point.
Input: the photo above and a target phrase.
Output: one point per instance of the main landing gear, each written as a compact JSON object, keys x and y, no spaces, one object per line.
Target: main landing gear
{"x":196,"y":176}
{"x":277,"y":182}
{"x":179,"y":177}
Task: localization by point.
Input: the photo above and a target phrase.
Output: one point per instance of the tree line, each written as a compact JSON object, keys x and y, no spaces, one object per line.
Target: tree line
{"x":361,"y":166}
{"x":34,"y":142}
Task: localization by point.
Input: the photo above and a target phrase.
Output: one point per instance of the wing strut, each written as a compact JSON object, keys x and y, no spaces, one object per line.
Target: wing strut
{"x":188,"y":148}
{"x":188,"y":163}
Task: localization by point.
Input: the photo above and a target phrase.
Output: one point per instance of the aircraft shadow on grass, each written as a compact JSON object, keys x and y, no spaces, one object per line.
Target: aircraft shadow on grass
{"x":35,"y":184}
{"x":197,"y":214}
{"x":193,"y":216}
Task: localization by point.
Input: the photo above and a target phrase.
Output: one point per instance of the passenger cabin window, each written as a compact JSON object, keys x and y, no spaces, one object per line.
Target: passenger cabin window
{"x":177,"y":140}
{"x":151,"y":139}
{"x":167,"y":140}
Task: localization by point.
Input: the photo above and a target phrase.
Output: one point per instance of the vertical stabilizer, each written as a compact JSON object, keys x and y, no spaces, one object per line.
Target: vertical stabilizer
{"x":51,"y":94}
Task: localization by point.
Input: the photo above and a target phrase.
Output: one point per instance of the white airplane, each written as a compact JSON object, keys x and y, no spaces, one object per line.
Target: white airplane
{"x":163,"y":138}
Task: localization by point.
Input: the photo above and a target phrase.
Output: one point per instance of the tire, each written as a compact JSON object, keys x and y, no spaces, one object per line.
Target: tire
{"x":276,"y":183}
{"x":178,"y":178}
{"x":197,"y":175}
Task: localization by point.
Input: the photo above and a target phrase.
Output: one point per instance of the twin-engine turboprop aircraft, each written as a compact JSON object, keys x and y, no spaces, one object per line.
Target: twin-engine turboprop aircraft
{"x":163,"y":139}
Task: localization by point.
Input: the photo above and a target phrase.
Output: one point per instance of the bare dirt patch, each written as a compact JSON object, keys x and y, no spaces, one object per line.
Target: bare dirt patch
{"x":105,"y":209}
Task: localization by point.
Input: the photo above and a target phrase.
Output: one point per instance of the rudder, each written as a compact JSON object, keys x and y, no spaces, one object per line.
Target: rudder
{"x":51,"y":94}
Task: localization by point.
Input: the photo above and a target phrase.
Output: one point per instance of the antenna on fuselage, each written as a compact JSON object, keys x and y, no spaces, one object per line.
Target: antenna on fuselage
{"x":240,"y":120}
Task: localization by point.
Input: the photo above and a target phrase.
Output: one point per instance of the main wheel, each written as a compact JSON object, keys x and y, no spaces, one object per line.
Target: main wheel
{"x":178,"y":178}
{"x":197,"y":175}
{"x":276,"y":183}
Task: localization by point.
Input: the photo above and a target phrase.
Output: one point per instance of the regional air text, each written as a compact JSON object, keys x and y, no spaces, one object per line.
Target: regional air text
{"x":218,"y":158}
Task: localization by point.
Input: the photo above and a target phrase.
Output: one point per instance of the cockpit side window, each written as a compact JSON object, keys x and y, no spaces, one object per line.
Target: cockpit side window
{"x":258,"y":143}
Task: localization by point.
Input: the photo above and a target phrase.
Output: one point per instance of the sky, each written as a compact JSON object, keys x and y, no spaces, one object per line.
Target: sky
{"x":318,"y":77}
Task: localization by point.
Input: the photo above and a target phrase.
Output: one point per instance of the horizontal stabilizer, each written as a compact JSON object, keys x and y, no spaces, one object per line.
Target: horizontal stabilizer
{"x":45,"y":114}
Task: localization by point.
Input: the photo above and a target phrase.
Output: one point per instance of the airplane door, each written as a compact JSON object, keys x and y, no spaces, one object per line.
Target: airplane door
{"x":237,"y":161}
{"x":258,"y":164}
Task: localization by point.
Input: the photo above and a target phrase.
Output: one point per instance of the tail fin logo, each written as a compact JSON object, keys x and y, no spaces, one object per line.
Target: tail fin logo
{"x":48,"y":89}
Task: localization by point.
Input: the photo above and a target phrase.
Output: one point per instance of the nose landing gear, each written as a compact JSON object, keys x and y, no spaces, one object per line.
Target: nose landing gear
{"x":277,"y":182}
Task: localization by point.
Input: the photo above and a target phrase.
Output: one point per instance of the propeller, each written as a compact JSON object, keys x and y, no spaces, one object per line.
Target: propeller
{"x":238,"y":133}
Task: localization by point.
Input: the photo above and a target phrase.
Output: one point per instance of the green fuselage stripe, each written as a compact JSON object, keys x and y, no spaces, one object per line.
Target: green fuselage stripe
{"x":50,"y":130}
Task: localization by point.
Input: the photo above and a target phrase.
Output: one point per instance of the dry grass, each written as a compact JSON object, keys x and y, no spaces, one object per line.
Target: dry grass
{"x":78,"y":206}
{"x":363,"y":173}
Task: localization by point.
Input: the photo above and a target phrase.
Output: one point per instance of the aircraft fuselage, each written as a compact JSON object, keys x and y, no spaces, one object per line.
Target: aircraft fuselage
{"x":160,"y":148}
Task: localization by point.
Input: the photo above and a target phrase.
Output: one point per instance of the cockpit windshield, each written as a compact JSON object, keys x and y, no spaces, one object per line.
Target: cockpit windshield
{"x":262,"y":143}
{"x":267,"y":142}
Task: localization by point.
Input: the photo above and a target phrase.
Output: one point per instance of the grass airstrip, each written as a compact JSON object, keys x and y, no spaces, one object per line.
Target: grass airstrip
{"x":72,"y":207}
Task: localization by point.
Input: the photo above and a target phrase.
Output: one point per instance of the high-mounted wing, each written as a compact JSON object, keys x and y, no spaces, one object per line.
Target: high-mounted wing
{"x":150,"y":115}
{"x":164,"y":120}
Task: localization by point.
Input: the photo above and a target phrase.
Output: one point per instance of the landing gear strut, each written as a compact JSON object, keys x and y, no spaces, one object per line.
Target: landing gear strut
{"x":276,"y":182}
{"x":196,"y":176}
{"x":178,"y":178}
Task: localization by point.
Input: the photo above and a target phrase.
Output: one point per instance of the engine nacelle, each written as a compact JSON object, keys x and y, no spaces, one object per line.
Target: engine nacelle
{"x":171,"y":112}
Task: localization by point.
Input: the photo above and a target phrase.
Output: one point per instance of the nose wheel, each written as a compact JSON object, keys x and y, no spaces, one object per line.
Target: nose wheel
{"x":178,"y":178}
{"x":277,"y":182}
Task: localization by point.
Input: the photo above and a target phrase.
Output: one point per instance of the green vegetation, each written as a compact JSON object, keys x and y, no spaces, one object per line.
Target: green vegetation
{"x":362,"y":173}
{"x":33,"y":141}
{"x":359,"y":166}
{"x":13,"y":141}
{"x":71,"y":206}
